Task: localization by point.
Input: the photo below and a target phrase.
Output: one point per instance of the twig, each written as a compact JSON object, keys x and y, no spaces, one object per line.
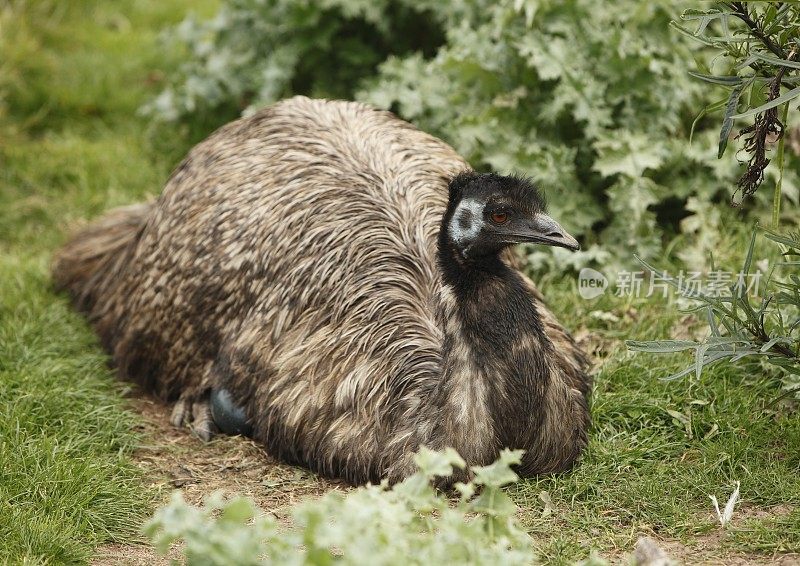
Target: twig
{"x":740,"y":11}
{"x":765,"y":124}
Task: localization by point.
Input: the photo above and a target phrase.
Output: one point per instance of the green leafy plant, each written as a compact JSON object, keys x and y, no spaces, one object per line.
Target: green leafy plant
{"x":591,"y":98}
{"x":762,"y":42}
{"x":254,"y":52}
{"x":409,"y":523}
{"x":739,"y":326}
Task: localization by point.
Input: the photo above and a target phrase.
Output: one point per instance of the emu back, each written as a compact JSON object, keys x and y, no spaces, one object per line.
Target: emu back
{"x":294,"y":259}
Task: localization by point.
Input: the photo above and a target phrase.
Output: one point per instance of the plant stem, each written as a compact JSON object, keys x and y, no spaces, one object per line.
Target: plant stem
{"x":741,"y":12}
{"x":776,"y":197}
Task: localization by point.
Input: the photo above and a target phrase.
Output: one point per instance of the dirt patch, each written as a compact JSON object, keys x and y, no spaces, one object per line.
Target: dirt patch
{"x":178,"y":459}
{"x":651,"y":549}
{"x":708,"y":548}
{"x":173,"y":458}
{"x":707,"y":551}
{"x":130,"y":555}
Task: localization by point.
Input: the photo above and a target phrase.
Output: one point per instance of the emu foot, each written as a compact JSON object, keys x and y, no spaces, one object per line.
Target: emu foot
{"x":194,"y":412}
{"x":229,"y":417}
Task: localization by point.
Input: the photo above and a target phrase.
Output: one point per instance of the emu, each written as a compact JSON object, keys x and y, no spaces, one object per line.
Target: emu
{"x":350,"y":283}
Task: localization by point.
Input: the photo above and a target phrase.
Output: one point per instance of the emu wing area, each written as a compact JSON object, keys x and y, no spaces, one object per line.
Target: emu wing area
{"x":292,"y":259}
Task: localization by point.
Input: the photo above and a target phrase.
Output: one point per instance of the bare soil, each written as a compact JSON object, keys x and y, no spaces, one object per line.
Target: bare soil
{"x":174,"y":458}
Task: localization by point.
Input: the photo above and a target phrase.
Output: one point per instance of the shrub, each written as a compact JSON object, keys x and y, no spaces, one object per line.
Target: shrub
{"x":590,"y":97}
{"x":769,"y":329}
{"x":255,"y":52}
{"x":763,"y":46}
{"x":765,"y":51}
{"x":410,"y":523}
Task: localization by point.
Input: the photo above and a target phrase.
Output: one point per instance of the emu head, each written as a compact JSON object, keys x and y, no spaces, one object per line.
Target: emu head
{"x":488,"y":212}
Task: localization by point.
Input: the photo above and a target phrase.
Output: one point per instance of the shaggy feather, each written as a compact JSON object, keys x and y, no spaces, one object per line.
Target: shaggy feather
{"x":294,"y":259}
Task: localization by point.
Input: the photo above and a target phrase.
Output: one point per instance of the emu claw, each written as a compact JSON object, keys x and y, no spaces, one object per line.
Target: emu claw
{"x":203,"y":425}
{"x":196,"y":414}
{"x":180,"y":414}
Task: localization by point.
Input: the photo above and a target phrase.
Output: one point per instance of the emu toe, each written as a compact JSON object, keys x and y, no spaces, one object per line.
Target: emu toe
{"x":181,"y":413}
{"x":196,"y":415}
{"x":203,"y":423}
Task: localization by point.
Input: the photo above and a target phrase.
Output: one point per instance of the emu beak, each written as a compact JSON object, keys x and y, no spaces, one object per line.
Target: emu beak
{"x":544,"y":230}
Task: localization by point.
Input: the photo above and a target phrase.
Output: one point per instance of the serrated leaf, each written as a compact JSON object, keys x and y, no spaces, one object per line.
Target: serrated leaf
{"x":467,"y":490}
{"x":629,"y":154}
{"x":239,"y":510}
{"x":492,"y":501}
{"x":499,"y":473}
{"x":432,"y":463}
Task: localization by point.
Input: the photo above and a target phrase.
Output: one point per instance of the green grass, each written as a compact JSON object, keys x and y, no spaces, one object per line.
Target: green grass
{"x":72,"y":76}
{"x":648,"y":472}
{"x":66,"y":484}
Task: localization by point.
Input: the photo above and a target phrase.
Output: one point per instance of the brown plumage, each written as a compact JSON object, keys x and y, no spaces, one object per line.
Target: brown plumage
{"x":295,"y":258}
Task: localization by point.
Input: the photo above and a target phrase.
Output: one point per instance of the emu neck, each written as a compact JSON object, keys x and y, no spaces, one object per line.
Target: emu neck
{"x":495,"y":371}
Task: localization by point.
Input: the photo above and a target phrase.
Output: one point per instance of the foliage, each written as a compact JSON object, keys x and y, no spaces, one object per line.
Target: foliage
{"x":582,"y":95}
{"x":409,"y":523}
{"x":762,"y":44}
{"x":770,"y":329}
{"x":764,"y":49}
{"x":590,"y":98}
{"x":254,"y":52}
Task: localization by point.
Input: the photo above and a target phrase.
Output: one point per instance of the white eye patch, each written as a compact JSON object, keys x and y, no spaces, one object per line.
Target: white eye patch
{"x":467,"y":221}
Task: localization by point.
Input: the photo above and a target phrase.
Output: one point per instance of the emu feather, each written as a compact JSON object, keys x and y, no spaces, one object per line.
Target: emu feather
{"x":302,"y":259}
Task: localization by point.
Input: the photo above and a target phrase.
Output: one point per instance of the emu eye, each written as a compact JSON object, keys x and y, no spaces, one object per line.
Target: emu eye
{"x":499,"y":217}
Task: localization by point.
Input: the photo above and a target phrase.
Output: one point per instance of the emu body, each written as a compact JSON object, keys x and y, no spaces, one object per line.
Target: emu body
{"x":319,"y":261}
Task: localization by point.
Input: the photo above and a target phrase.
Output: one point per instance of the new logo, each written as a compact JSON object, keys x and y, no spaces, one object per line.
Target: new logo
{"x":591,"y":283}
